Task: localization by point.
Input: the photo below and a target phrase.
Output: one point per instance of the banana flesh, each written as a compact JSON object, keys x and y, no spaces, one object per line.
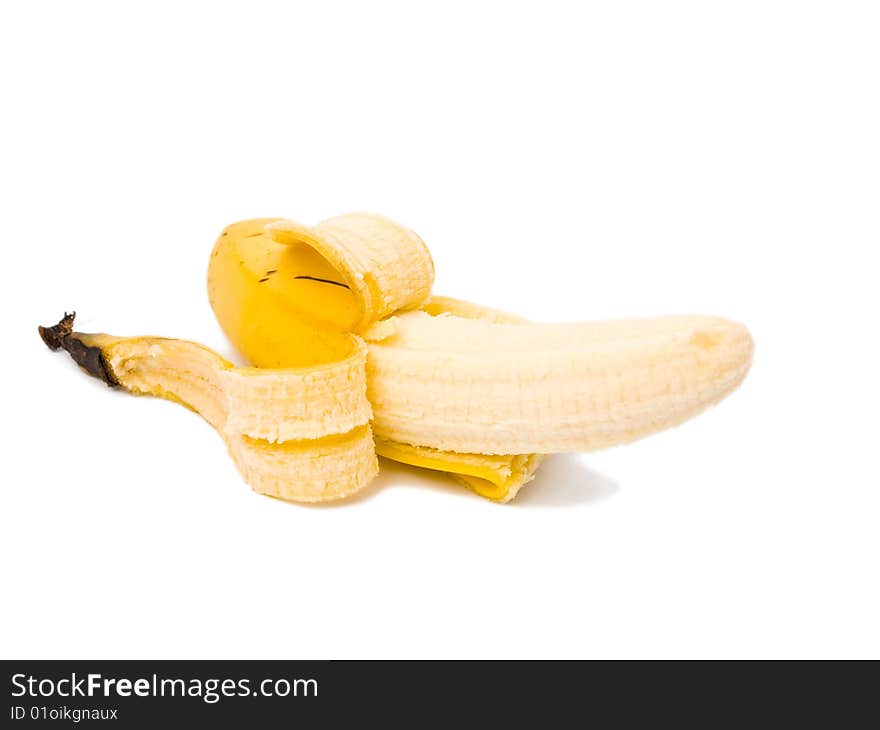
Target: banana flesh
{"x":466,"y":385}
{"x":342,"y":332}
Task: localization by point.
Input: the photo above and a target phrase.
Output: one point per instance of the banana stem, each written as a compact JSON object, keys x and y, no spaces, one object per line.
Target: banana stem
{"x":89,"y":357}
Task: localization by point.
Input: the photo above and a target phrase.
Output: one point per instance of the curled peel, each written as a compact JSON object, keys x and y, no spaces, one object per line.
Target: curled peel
{"x":339,"y":325}
{"x":387,"y":267}
{"x":298,"y":434}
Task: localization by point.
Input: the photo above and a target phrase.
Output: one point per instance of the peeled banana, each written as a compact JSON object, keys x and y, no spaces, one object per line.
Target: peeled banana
{"x":341,"y":330}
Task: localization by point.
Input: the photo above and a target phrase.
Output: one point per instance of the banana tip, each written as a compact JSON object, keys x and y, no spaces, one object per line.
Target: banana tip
{"x":55,"y":335}
{"x":85,"y":354}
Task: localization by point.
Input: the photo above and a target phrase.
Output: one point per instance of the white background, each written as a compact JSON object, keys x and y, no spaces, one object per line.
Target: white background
{"x":562,"y":160}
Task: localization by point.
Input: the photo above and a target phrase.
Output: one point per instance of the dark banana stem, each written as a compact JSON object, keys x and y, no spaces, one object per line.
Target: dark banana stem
{"x":88,"y":357}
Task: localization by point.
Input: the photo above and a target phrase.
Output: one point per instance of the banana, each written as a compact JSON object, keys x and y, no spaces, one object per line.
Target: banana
{"x":351,"y":357}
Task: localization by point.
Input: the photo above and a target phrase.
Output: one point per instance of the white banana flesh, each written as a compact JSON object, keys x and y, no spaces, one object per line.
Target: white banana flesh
{"x":467,"y":385}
